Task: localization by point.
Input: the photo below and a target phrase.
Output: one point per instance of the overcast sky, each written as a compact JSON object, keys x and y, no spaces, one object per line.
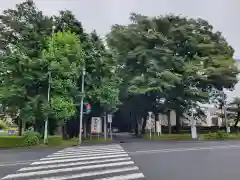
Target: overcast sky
{"x":101,"y":14}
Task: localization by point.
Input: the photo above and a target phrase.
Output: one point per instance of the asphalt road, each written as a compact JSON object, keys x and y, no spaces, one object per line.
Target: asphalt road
{"x":14,"y":159}
{"x":156,"y":160}
{"x":186,"y":160}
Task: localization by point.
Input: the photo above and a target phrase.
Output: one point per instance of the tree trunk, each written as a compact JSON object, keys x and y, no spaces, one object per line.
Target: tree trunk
{"x":20,"y":126}
{"x":144,"y":124}
{"x":178,"y":121}
{"x":169,"y":122}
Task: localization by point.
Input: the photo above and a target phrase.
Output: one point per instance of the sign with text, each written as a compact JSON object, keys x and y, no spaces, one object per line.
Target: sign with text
{"x":96,"y":125}
{"x":109,"y":118}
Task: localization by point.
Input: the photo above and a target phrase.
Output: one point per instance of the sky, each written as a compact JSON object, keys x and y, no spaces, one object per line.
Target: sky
{"x":102,"y":14}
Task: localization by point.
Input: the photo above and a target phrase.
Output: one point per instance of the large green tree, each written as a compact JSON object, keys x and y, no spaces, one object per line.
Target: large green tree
{"x":63,"y":60}
{"x":173,"y":57}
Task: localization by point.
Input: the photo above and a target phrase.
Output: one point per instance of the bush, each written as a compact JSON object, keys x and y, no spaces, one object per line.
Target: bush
{"x":3,"y":125}
{"x":11,"y":141}
{"x":54,"y":140}
{"x":31,"y":139}
{"x":31,"y":133}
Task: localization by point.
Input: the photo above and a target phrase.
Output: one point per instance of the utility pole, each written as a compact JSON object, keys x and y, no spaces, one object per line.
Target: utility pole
{"x":45,"y":139}
{"x":81,"y":106}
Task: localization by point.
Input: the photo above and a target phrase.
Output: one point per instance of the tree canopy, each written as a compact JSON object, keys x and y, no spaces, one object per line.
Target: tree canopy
{"x":177,"y":58}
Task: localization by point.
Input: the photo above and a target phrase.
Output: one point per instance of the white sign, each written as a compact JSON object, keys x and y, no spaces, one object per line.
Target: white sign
{"x":194,"y":132}
{"x":158,"y":127}
{"x":109,"y":118}
{"x":96,"y":125}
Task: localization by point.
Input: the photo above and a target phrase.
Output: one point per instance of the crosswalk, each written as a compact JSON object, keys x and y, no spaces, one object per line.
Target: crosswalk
{"x":109,"y":162}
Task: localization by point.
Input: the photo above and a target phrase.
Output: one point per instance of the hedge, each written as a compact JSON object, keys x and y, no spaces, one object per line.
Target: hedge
{"x":12,"y":141}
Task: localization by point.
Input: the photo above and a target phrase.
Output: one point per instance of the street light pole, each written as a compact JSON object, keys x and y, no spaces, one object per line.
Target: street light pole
{"x":225,"y":112}
{"x":81,"y":106}
{"x":45,"y":139}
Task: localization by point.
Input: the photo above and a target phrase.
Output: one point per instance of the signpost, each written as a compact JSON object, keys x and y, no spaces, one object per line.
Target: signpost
{"x":110,"y":124}
{"x":96,"y":125}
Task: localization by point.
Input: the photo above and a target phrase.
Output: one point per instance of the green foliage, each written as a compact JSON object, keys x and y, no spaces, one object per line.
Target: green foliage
{"x":234,"y":110}
{"x":55,"y":140}
{"x":12,"y":141}
{"x":62,"y":107}
{"x":31,"y":139}
{"x":31,"y":133}
{"x":220,"y":135}
{"x":178,"y":58}
{"x":3,"y":125}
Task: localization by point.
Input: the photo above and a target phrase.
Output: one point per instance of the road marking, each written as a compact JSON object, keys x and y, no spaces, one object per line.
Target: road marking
{"x":79,"y":156}
{"x":125,"y":177}
{"x":91,"y":148}
{"x":17,"y":163}
{"x":28,"y":174}
{"x":183,"y":149}
{"x":73,"y":164}
{"x":78,"y":159}
{"x":89,"y":174}
{"x":87,"y":151}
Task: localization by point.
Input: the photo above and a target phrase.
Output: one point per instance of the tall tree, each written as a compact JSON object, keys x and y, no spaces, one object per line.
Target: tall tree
{"x":64,"y":59}
{"x":173,"y":57}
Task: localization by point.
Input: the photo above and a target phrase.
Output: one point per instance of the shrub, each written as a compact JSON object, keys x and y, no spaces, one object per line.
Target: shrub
{"x":31,"y":133}
{"x":54,"y":140}
{"x":11,"y":141}
{"x":3,"y":125}
{"x":31,"y":139}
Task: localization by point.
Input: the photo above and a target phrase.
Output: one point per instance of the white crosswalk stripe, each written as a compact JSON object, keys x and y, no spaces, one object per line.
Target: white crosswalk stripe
{"x":109,"y":162}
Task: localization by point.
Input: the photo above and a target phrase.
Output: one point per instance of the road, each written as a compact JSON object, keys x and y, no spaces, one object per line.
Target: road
{"x":130,"y":159}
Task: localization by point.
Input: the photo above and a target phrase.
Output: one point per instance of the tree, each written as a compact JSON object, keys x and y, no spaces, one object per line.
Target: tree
{"x":173,"y":57}
{"x":234,"y":108}
{"x":63,"y":59}
{"x":22,"y":37}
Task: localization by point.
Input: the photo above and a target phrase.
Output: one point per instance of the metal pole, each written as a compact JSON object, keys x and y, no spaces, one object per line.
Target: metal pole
{"x":110,"y":130}
{"x":225,"y":113}
{"x":48,"y":100}
{"x":105,"y":126}
{"x":81,"y":107}
{"x":48,"y":97}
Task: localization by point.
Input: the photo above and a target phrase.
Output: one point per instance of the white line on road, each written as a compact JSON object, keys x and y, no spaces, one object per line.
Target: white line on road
{"x":125,"y":177}
{"x":28,"y":174}
{"x":89,"y":174}
{"x":73,"y":164}
{"x":82,"y":153}
{"x":78,"y":159}
{"x":183,"y":149}
{"x":78,"y":156}
{"x":17,"y":163}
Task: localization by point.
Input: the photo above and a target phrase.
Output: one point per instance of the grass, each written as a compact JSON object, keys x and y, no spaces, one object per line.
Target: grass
{"x":210,"y":136}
